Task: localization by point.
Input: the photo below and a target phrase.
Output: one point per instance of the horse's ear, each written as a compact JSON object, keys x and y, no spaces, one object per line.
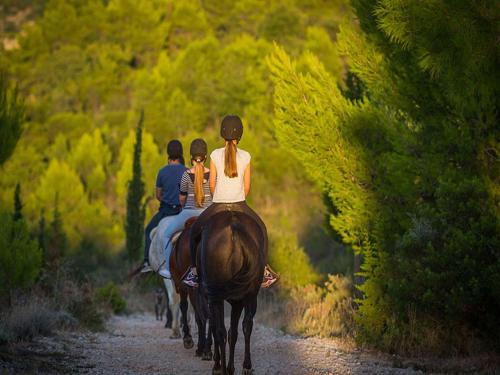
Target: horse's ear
{"x":189,"y":222}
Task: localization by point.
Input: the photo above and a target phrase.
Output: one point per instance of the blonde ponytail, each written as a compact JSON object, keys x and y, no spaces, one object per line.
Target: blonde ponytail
{"x":199,"y":193}
{"x":230,"y":169}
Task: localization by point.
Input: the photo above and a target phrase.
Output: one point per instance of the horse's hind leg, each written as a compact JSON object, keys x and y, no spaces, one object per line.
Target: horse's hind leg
{"x":201,"y":334}
{"x":173,"y":300}
{"x":236,"y":310}
{"x":168,"y":322}
{"x":207,"y":352}
{"x":203,"y":311}
{"x":187,"y":339}
{"x":211,"y":331}
{"x":220,"y":336}
{"x":250,"y":310}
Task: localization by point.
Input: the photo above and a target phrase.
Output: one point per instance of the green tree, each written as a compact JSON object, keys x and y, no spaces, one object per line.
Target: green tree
{"x":90,"y":158}
{"x":320,"y":43}
{"x":57,"y":242}
{"x":187,"y":64}
{"x":61,"y":183}
{"x":151,"y":162}
{"x":20,"y":257}
{"x":290,"y":261}
{"x":42,"y":234}
{"x":409,"y":168}
{"x":18,"y":204}
{"x":11,"y":117}
{"x":134,"y":226}
{"x":187,"y":23}
{"x":280,"y":16}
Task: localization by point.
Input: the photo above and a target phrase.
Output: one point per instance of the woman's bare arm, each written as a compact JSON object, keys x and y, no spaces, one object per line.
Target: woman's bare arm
{"x":246,"y":180}
{"x":213,"y":177}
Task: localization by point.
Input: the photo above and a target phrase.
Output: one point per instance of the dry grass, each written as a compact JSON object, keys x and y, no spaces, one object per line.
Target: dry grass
{"x":311,"y":310}
{"x":24,"y":321}
{"x":140,"y":293}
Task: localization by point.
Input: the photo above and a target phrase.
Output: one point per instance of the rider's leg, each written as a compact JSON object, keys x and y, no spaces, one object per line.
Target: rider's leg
{"x":147,"y":239}
{"x":197,"y":228}
{"x":175,"y":225}
{"x":191,"y":277}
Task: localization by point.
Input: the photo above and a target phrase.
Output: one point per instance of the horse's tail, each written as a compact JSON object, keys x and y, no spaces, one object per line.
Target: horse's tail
{"x":249,"y":277}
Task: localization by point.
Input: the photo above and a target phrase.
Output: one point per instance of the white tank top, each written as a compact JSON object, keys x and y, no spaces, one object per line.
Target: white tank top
{"x":229,"y":190}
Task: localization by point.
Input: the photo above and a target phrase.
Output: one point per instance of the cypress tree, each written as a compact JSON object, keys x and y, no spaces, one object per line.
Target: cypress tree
{"x":57,"y":241}
{"x":11,"y":117}
{"x":134,"y":226}
{"x":42,"y":235}
{"x":18,"y":204}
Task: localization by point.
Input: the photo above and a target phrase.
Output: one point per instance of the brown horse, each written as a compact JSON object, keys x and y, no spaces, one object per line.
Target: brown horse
{"x":231,"y":263}
{"x":180,"y":261}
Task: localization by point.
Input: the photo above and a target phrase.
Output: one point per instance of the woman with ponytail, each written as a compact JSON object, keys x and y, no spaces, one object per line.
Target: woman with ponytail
{"x":230,"y":185}
{"x":194,"y":196}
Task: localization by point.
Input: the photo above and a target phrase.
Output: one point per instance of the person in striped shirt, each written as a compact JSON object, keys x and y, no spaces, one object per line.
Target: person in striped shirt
{"x":194,"y":196}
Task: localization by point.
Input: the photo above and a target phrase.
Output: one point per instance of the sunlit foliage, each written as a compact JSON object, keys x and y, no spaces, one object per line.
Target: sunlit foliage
{"x":11,"y":117}
{"x":410,"y":167}
{"x":86,"y":69}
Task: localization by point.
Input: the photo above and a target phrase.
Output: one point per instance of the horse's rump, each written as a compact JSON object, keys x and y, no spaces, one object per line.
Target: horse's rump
{"x":157,"y":247}
{"x":232,"y":256}
{"x":178,"y":262}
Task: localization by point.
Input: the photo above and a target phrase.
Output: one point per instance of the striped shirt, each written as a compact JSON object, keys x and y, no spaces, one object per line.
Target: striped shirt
{"x":187,"y":188}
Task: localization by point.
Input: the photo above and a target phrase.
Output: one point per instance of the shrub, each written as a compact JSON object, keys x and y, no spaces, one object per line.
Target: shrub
{"x":63,"y":290}
{"x":325,"y":311}
{"x":26,"y":321}
{"x":312,"y":310}
{"x":110,"y":295}
{"x":20,"y":257}
{"x":290,"y":261}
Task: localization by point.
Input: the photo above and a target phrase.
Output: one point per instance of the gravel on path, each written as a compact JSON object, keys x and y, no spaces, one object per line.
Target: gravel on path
{"x":138,"y":344}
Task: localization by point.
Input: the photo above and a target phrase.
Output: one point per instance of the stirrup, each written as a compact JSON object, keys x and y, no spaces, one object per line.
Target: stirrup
{"x":190,"y":279}
{"x":270,"y":277}
{"x":146,"y":268}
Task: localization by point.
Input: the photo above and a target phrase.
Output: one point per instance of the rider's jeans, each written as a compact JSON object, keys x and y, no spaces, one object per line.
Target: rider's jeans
{"x":176,"y":225}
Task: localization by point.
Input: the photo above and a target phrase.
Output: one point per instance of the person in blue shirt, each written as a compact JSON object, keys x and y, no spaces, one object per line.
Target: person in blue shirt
{"x":167,"y":192}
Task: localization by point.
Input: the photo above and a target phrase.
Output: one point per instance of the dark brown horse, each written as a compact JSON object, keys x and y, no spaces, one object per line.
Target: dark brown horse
{"x":179,"y":263}
{"x":231,"y":263}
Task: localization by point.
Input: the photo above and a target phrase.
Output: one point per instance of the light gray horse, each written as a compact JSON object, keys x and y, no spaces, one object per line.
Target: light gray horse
{"x":156,"y":260}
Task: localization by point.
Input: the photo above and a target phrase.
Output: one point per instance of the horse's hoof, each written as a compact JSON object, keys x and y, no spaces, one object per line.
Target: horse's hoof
{"x":175,"y":335}
{"x":216,"y":371}
{"x":230,"y":371}
{"x":247,"y":371}
{"x":207,"y":356}
{"x":188,"y":343}
{"x":168,"y":325}
{"x":198,"y":353}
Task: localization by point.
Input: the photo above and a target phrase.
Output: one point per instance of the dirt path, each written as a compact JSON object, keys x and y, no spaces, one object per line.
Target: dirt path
{"x":138,"y":344}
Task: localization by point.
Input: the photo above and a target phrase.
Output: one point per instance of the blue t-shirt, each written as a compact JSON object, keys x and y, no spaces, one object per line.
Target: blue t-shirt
{"x":168,"y":180}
